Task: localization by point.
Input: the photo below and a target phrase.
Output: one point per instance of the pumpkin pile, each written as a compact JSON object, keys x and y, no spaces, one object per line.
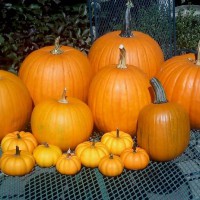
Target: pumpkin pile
{"x":123,"y":89}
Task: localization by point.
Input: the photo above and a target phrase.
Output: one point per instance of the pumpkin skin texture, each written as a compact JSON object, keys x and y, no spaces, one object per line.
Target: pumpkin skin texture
{"x":116,"y":95}
{"x":117,"y":141}
{"x":111,"y":165}
{"x":135,"y":158}
{"x":180,"y":76}
{"x":24,"y":140}
{"x":46,"y":155}
{"x":163,"y":127}
{"x":15,"y":104}
{"x":68,"y":164}
{"x":48,"y":70}
{"x":64,"y":123}
{"x":90,"y":153}
{"x":17,"y":162}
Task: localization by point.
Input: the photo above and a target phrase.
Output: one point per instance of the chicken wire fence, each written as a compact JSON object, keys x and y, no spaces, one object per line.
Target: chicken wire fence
{"x":153,"y":17}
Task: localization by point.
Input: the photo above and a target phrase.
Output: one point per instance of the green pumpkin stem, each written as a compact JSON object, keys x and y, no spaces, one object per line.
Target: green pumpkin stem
{"x":122,"y":58}
{"x":198,"y":54}
{"x":159,"y":91}
{"x":126,"y":32}
{"x":57,"y":49}
{"x":63,"y":98}
{"x":17,"y":153}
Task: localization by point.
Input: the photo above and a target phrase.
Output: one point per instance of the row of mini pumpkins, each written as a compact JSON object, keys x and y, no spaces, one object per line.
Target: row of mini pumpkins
{"x":115,"y":151}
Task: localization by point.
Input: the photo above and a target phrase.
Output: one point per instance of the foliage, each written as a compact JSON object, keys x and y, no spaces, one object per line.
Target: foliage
{"x":28,"y":25}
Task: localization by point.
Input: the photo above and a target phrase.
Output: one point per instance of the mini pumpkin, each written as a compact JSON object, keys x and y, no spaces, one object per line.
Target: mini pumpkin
{"x":46,"y":155}
{"x":24,"y":140}
{"x":17,"y":162}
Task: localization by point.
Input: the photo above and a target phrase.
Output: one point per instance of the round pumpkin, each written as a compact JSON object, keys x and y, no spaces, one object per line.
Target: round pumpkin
{"x":180,"y":77}
{"x":46,"y":155}
{"x":117,"y":141}
{"x":24,"y":140}
{"x":64,"y":123}
{"x":116,"y":95}
{"x":163,"y":127}
{"x":111,"y":165}
{"x":68,"y":164}
{"x":48,"y":70}
{"x":91,"y":152}
{"x":17,"y":162}
{"x":15,"y":104}
{"x":142,"y":50}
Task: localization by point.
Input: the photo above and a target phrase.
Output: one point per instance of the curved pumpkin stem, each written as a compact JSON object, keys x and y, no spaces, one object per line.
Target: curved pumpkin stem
{"x":63,"y":98}
{"x":126,"y":32}
{"x":198,"y":54}
{"x":159,"y":91}
{"x":122,"y":58}
{"x":57,"y":49}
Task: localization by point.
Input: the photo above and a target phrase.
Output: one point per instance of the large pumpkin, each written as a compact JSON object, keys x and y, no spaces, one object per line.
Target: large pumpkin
{"x":180,"y":77}
{"x":64,"y":123}
{"x":48,"y":70}
{"x":163,"y":127}
{"x":142,"y":50}
{"x":15,"y":104}
{"x":117,"y":94}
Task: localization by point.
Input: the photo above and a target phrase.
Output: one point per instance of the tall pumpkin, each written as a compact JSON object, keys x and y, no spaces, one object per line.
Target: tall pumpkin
{"x":48,"y":70}
{"x":15,"y":104}
{"x":117,"y":94}
{"x":142,"y":50}
{"x":163,"y":127}
{"x":180,"y":77}
{"x":64,"y":123}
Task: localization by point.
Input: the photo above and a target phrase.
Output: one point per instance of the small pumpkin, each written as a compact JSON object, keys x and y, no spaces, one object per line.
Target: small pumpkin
{"x":24,"y":140}
{"x":163,"y":127}
{"x":91,"y":152}
{"x":111,"y":165}
{"x":17,"y":162}
{"x":46,"y":155}
{"x":117,"y":141}
{"x":68,"y":163}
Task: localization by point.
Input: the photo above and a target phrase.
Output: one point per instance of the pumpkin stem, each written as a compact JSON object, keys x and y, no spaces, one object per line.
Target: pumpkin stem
{"x":198,"y":54}
{"x":18,"y":136}
{"x":17,"y":151}
{"x":57,"y":49}
{"x":69,"y":153}
{"x":159,"y":91}
{"x":45,"y":144}
{"x":117,"y":133}
{"x":111,"y":156}
{"x":63,"y":98}
{"x":122,"y":58}
{"x":134,"y":144}
{"x":126,"y":32}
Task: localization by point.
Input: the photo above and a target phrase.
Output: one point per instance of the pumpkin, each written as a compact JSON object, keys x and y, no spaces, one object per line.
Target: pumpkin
{"x":15,"y":103}
{"x":111,"y":165}
{"x":180,"y":77}
{"x":163,"y":127}
{"x":64,"y":123}
{"x":117,"y":141}
{"x":116,"y":95}
{"x":17,"y":162}
{"x":91,"y":152}
{"x":48,"y":70}
{"x":46,"y":155}
{"x":135,"y":158}
{"x":142,"y":50}
{"x":68,"y":163}
{"x":24,"y":140}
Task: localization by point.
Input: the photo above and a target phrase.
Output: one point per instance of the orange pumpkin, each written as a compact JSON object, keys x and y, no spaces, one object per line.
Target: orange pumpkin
{"x":142,"y":50}
{"x":163,"y":127}
{"x":180,"y":77}
{"x":64,"y":123}
{"x":117,"y":94}
{"x":48,"y":70}
{"x":15,"y":104}
{"x":24,"y":140}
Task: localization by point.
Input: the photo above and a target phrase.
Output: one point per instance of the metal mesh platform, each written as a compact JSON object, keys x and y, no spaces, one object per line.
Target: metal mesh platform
{"x":175,"y":180}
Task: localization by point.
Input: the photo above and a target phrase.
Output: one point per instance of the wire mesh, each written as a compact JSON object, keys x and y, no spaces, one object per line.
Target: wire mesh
{"x":175,"y":180}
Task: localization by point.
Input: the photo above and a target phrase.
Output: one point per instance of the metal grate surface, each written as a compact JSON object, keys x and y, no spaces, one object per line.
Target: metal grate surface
{"x":175,"y":180}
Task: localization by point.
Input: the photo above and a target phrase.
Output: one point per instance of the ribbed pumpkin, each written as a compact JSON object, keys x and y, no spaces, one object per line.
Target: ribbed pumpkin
{"x":64,"y":123}
{"x":117,"y":94}
{"x":163,"y":127}
{"x":142,"y":50}
{"x":15,"y":103}
{"x":180,"y":77}
{"x":48,"y":70}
